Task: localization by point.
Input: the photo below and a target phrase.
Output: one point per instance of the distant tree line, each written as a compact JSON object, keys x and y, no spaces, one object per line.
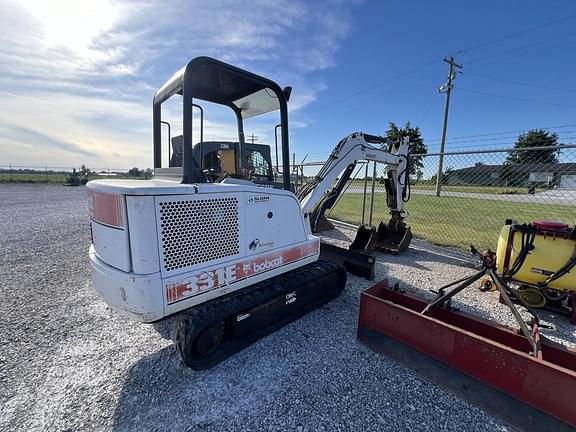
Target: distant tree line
{"x":82,"y":171}
{"x":136,"y":172}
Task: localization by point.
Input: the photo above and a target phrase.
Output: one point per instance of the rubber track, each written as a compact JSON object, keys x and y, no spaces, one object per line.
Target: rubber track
{"x":192,"y":322}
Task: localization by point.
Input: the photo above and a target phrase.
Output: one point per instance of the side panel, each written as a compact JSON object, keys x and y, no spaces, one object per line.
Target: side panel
{"x":143,"y":238}
{"x":111,"y":245}
{"x":272,"y":222}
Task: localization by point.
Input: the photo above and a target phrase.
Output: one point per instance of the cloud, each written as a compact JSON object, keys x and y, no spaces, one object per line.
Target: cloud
{"x":34,"y":141}
{"x":80,"y":76}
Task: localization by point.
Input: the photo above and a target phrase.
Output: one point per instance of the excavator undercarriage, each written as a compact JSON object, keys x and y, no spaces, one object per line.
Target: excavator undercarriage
{"x":214,"y":330}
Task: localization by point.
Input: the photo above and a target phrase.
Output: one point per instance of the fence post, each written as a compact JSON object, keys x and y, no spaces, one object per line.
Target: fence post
{"x":372,"y":199}
{"x":11,"y":178}
{"x":364,"y":196}
{"x":47,"y":178}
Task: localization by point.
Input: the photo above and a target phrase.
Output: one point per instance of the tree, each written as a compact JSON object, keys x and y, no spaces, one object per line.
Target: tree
{"x":520,"y":156}
{"x":148,"y":173}
{"x":417,"y":146}
{"x":445,"y":176}
{"x":135,"y":172}
{"x":534,"y":138}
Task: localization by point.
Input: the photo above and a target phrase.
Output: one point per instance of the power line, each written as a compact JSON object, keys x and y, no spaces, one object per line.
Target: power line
{"x":377,"y":84}
{"x":500,"y":96}
{"x":521,"y":48}
{"x":518,"y":83}
{"x":513,"y":35}
{"x":395,"y":91}
{"x":509,"y":132}
{"x":490,"y":139}
{"x":426,"y":111}
{"x":434,"y":61}
{"x":511,"y":142}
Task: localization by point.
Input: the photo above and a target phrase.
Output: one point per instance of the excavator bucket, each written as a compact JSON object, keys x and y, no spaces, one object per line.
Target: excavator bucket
{"x":387,"y":238}
{"x":363,"y":236}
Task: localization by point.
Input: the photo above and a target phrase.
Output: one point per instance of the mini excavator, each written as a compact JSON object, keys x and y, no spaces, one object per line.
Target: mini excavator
{"x":229,"y":254}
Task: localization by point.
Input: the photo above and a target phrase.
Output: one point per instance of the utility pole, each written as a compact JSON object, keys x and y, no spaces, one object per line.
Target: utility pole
{"x":253,"y":138}
{"x":445,"y":88}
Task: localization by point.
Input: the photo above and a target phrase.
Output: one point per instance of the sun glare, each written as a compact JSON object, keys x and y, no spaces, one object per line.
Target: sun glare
{"x":72,"y":23}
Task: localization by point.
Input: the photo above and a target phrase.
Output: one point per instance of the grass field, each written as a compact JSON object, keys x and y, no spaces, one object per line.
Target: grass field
{"x":474,"y":189}
{"x":58,"y":178}
{"x":32,"y":178}
{"x":448,"y":188}
{"x":455,"y":221}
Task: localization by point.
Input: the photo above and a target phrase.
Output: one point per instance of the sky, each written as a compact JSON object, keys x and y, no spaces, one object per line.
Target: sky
{"x":77,"y":77}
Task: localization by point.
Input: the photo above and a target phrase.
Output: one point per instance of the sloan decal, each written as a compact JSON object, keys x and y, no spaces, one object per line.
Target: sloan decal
{"x":258,"y":199}
{"x":207,"y":280}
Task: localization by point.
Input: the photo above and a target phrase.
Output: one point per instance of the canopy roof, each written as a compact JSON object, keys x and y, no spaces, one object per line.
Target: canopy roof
{"x":213,"y":81}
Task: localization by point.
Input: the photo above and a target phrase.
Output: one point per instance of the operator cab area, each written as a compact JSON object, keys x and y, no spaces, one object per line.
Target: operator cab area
{"x":218,"y":159}
{"x":204,"y":88}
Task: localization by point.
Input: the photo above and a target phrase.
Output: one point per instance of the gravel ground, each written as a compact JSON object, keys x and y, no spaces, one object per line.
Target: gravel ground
{"x":68,"y":363}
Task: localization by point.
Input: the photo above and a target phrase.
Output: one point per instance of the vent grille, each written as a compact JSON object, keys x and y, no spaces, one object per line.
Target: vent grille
{"x":198,"y":231}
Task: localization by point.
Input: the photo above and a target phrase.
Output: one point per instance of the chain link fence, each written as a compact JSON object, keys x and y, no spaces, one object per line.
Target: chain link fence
{"x":474,"y":195}
{"x":477,"y":191}
{"x":53,"y":174}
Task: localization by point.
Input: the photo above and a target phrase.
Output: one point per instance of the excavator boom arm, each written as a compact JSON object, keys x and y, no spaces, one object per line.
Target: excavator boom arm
{"x":318,"y":195}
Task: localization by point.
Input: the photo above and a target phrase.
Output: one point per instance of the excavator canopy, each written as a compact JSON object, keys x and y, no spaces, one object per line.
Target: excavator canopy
{"x":216,"y":82}
{"x":211,"y":80}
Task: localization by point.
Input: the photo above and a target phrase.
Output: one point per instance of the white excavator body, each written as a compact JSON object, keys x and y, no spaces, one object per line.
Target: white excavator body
{"x":159,"y":247}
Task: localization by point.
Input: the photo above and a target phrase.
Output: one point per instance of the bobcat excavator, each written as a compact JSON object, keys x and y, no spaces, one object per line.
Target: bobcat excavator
{"x":231,"y":260}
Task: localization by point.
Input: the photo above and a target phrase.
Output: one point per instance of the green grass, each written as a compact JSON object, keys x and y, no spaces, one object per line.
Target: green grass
{"x":32,"y":178}
{"x":448,"y":188}
{"x":454,"y":221}
{"x":58,"y":178}
{"x":474,"y":189}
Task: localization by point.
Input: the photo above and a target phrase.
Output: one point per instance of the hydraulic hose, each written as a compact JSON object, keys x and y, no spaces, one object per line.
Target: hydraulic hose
{"x":527,"y":242}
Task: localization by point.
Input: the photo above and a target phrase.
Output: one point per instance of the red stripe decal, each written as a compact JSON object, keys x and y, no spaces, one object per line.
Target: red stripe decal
{"x":218,"y":277}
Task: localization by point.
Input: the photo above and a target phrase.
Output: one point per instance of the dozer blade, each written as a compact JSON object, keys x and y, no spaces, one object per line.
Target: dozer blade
{"x":357,"y":263}
{"x":481,"y":361}
{"x":385,"y":238}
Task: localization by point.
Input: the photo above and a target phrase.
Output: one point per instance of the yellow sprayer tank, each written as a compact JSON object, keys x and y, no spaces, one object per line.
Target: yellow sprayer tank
{"x":554,"y":245}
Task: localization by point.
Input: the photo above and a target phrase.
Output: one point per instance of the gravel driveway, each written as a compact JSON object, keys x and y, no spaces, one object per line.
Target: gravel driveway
{"x":68,"y":363}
